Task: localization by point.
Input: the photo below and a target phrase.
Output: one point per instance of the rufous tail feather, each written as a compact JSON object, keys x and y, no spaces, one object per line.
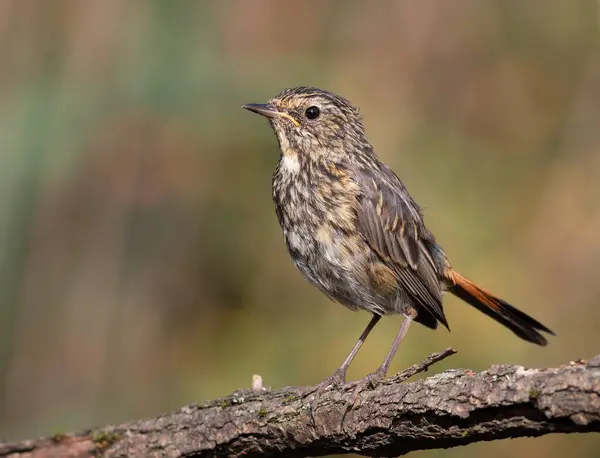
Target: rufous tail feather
{"x":520,"y":323}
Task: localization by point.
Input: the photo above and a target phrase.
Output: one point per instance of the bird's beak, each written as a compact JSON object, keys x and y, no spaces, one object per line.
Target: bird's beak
{"x":269,"y":111}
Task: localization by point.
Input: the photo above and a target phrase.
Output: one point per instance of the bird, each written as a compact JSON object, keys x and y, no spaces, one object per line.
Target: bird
{"x":354,"y":231}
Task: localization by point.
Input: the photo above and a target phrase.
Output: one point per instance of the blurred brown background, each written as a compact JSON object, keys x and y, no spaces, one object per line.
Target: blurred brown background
{"x":141,"y":263}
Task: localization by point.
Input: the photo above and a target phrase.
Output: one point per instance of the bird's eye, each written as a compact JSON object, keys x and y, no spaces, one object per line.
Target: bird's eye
{"x":312,"y":112}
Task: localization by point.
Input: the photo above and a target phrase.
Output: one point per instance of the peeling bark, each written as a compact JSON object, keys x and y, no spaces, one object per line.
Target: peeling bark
{"x":456,"y":407}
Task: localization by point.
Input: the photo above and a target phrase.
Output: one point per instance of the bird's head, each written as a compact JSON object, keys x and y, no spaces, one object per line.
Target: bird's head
{"x":311,"y":123}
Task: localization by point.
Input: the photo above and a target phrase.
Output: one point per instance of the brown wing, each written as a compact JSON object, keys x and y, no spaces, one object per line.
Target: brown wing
{"x":391,"y":223}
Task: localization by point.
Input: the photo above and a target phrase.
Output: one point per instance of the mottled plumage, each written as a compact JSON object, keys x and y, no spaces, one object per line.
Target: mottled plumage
{"x":352,"y":228}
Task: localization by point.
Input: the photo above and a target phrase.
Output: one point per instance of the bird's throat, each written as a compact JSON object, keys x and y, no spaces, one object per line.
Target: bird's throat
{"x":290,"y":163}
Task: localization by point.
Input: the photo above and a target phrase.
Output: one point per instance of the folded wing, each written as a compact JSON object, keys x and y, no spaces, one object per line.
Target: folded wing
{"x":391,"y":223}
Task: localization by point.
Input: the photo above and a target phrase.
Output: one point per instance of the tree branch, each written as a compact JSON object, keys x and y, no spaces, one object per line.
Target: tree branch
{"x":453,"y":408}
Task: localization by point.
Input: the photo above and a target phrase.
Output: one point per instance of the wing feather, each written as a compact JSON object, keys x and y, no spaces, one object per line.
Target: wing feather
{"x":391,"y":223}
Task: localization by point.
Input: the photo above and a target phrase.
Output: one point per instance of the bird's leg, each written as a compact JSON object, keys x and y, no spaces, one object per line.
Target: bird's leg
{"x":339,"y":376}
{"x":375,"y":377}
{"x":382,"y":370}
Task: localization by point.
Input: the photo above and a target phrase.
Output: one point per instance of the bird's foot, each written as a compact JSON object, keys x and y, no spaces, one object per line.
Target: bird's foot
{"x":337,"y":379}
{"x":370,"y":381}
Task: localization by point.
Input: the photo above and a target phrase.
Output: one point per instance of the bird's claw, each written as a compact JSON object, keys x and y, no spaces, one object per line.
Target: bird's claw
{"x":338,"y":378}
{"x":371,"y":380}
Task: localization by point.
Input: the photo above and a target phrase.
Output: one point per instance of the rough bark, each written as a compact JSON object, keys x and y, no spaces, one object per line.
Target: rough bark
{"x":456,"y":407}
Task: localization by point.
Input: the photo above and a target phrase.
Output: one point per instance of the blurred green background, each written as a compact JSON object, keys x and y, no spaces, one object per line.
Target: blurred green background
{"x":141,"y":263}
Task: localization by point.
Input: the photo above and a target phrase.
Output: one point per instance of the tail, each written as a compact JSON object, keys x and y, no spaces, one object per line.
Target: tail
{"x":518,"y":322}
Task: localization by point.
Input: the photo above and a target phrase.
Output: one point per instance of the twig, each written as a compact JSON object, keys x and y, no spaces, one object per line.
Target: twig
{"x":423,"y":366}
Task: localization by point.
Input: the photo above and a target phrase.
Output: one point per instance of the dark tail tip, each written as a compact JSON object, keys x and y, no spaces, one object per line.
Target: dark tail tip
{"x":523,"y":325}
